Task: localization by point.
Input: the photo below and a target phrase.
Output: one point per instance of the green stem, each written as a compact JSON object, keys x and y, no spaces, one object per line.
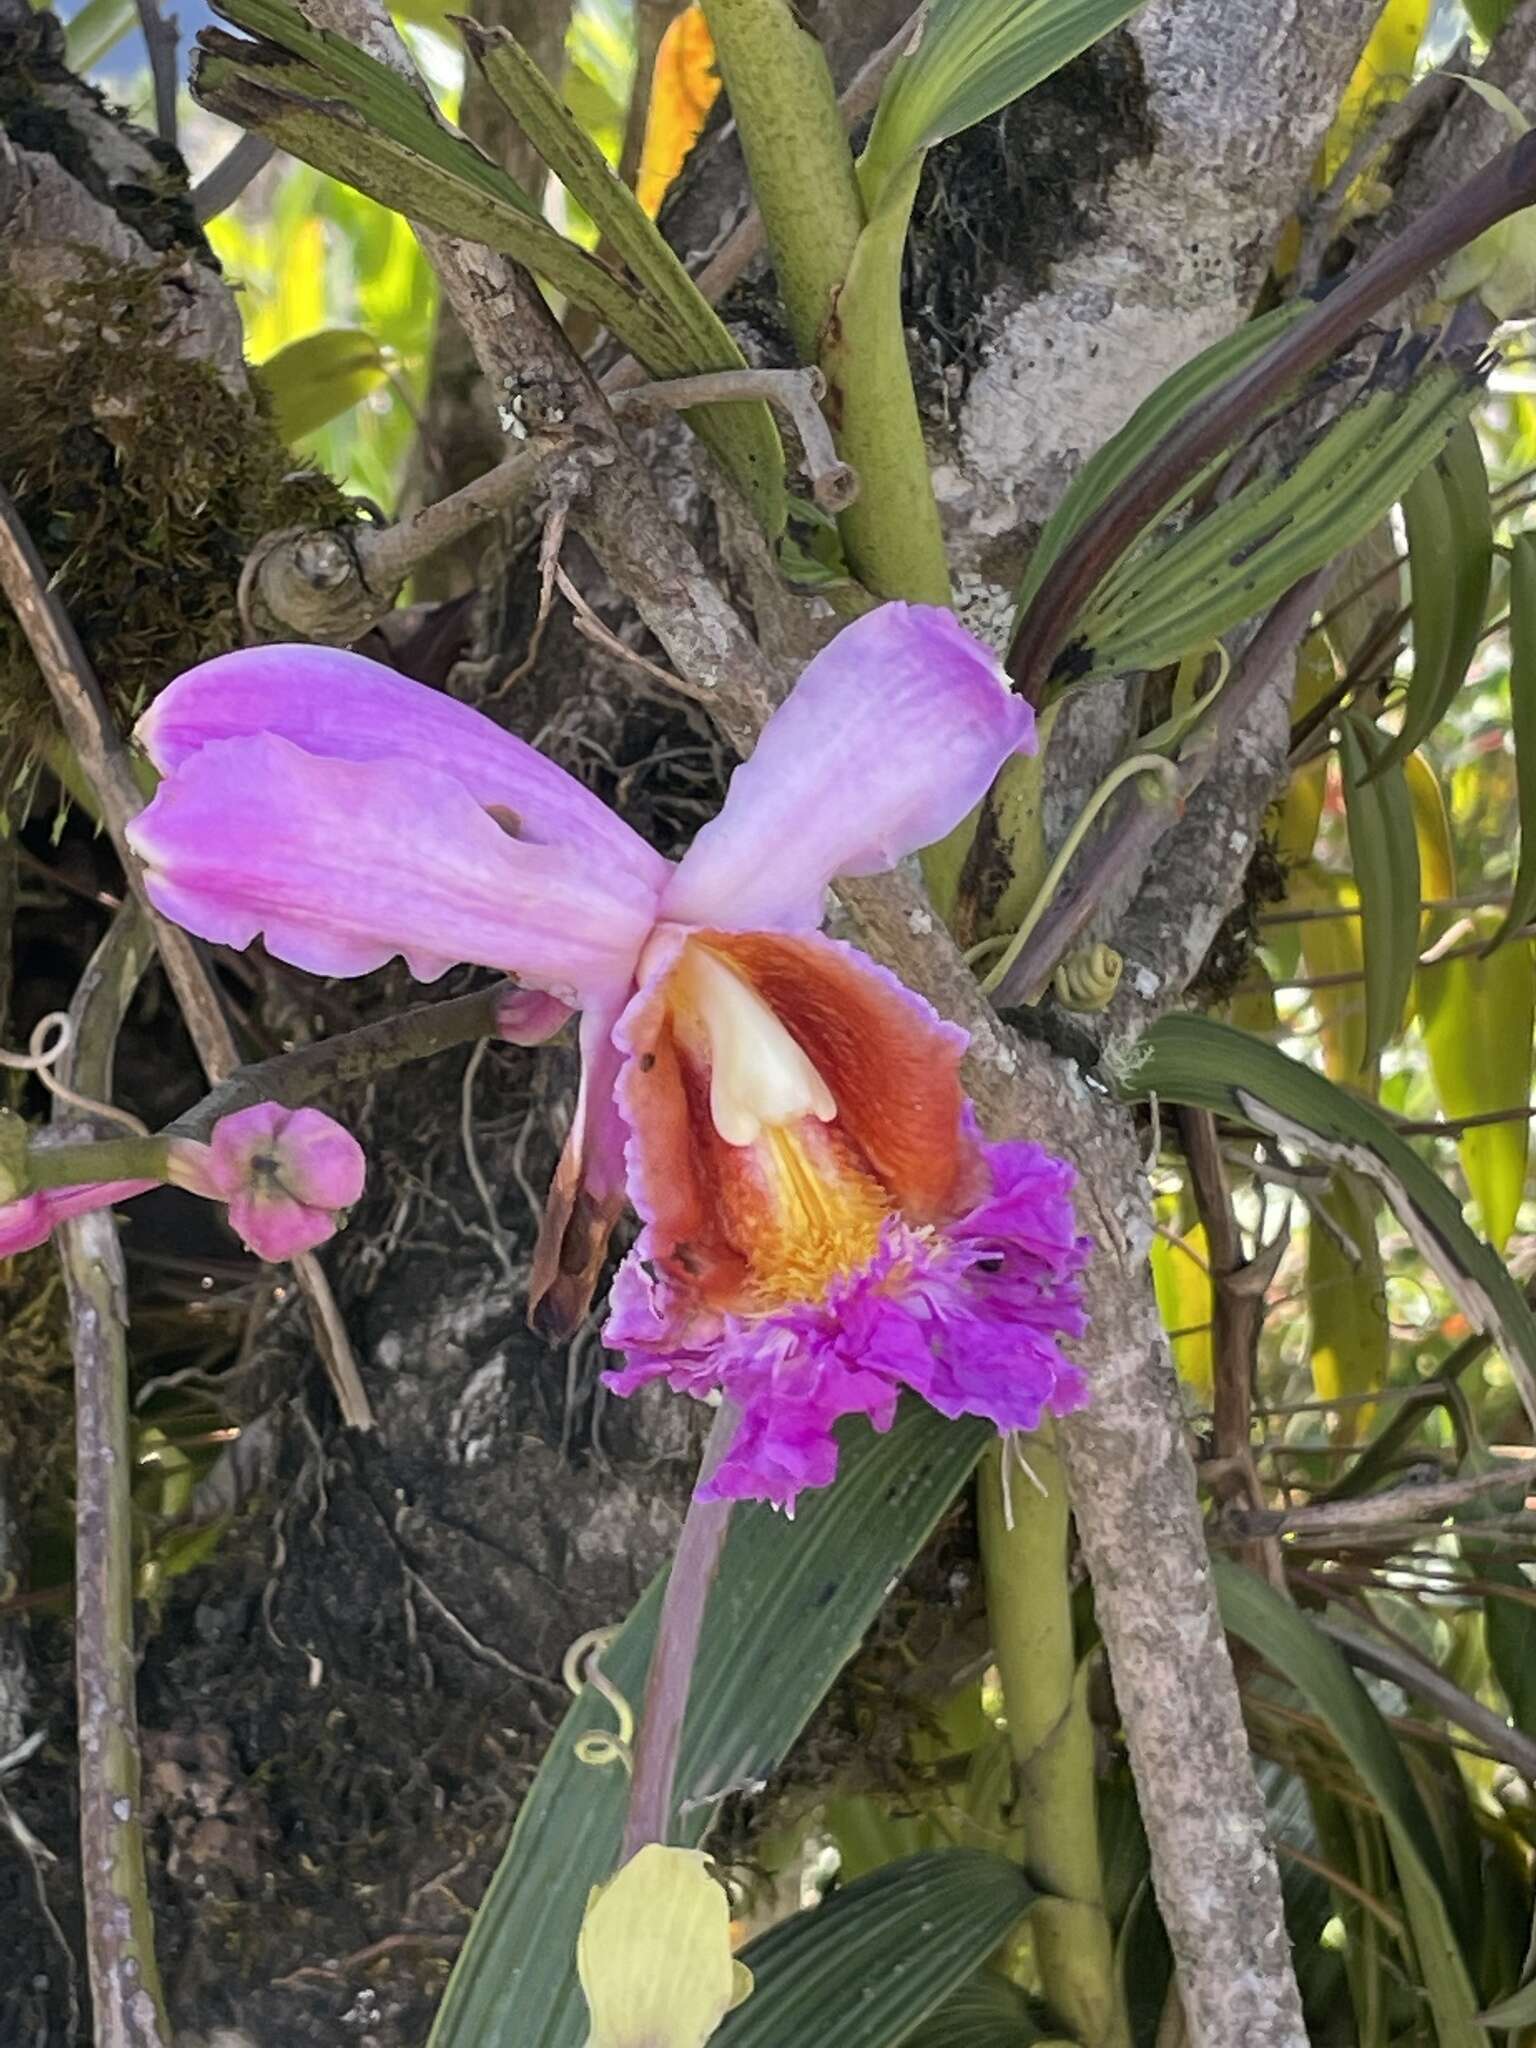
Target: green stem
{"x":891,"y":531}
{"x":798,"y":159}
{"x":76,"y":1165}
{"x":1024,"y":1539}
{"x":1138,"y":764}
{"x":841,"y":283}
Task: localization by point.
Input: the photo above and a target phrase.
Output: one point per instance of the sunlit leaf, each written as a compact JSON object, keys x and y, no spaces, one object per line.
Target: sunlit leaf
{"x":684,"y":87}
{"x":1522,"y":721}
{"x":311,"y":381}
{"x":1477,"y":1012}
{"x":1182,"y":1277}
{"x":1334,"y":954}
{"x":1347,"y":1300}
{"x":1383,"y":74}
{"x":1294,"y":819}
{"x":1384,"y":853}
{"x":1432,"y":833}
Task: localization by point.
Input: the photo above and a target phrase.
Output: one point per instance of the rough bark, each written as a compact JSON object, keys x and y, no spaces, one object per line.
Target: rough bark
{"x":1166,"y":257}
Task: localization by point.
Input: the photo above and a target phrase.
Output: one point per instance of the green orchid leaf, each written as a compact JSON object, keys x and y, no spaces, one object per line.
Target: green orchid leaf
{"x":1253,"y":1611}
{"x":1179,"y":590}
{"x":1196,"y":1060}
{"x":1384,"y":852}
{"x":880,"y":1956}
{"x":967,"y":59}
{"x":789,"y":1607}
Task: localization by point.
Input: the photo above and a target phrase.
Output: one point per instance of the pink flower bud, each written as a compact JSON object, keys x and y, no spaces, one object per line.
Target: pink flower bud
{"x":288,"y":1176}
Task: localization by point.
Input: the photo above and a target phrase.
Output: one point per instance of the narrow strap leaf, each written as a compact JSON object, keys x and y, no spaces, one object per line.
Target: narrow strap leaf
{"x":1449,"y":524}
{"x":871,"y":1964}
{"x":1385,"y":852}
{"x":1522,"y":720}
{"x":1197,"y":1060}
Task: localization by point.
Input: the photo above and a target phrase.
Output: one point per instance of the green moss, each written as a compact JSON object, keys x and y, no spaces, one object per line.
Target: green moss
{"x":143,"y":483}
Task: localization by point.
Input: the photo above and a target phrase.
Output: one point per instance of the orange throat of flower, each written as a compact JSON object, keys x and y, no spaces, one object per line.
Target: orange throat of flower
{"x":795,"y":1198}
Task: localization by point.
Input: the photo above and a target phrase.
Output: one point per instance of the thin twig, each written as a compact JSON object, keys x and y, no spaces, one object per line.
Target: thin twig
{"x":92,"y":732}
{"x":1430,"y":1502}
{"x":797,"y":393}
{"x":223,"y":185}
{"x":386,"y":555}
{"x":125,"y":1987}
{"x":160,"y":40}
{"x":1415,"y":1675}
{"x":660,"y":1734}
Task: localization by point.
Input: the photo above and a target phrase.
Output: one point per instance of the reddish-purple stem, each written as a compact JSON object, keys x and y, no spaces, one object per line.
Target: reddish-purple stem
{"x":660,"y":1734}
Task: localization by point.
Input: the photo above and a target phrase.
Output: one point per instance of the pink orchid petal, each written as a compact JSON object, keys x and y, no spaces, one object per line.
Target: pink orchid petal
{"x":526,"y":1016}
{"x":892,"y":734}
{"x":33,"y":1220}
{"x":342,"y":864}
{"x":343,"y":707}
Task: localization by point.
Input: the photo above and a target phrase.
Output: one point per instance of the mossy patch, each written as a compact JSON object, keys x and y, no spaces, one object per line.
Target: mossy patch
{"x":143,"y":483}
{"x":1005,"y":201}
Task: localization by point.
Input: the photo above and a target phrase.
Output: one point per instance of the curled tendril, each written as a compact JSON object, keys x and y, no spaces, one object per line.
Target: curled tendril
{"x":51,"y":1038}
{"x":1087,"y":978}
{"x":580,"y":1667}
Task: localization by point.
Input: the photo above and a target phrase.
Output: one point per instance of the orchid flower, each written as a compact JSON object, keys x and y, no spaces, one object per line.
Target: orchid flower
{"x":823,"y":1222}
{"x":287,"y":1176}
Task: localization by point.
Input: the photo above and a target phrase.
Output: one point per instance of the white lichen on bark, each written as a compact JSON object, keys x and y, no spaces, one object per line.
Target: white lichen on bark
{"x":1238,"y":95}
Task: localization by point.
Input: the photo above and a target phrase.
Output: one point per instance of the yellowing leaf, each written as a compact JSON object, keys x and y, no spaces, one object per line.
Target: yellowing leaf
{"x":1477,"y":1014}
{"x":654,"y":1956}
{"x":313,"y":381}
{"x":1383,"y":74}
{"x":684,"y":87}
{"x":1181,"y":1276}
{"x":1334,"y":946}
{"x":1252,"y":1006}
{"x":1432,"y":830}
{"x":1294,"y":820}
{"x":1346,"y":1297}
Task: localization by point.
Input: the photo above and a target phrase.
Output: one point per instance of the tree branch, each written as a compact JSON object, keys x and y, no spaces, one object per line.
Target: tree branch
{"x":125,"y":1984}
